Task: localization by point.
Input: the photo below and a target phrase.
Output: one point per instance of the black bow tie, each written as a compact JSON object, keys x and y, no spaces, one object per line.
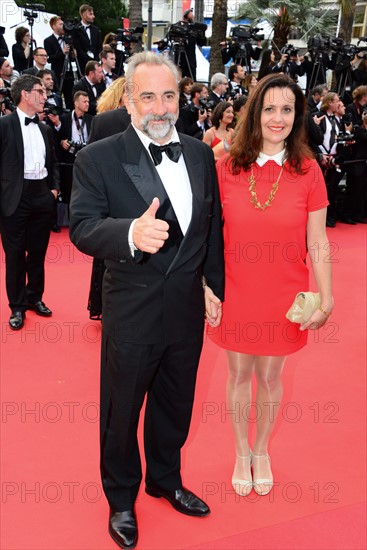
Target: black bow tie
{"x":173,"y":151}
{"x":28,"y":120}
{"x":87,"y":27}
{"x":110,"y":75}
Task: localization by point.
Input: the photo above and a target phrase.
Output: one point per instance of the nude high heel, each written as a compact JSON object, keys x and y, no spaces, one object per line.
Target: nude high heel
{"x":243,"y":487}
{"x":262,"y":486}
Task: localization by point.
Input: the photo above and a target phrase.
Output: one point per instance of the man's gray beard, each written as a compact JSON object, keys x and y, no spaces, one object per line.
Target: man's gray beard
{"x":159,"y":131}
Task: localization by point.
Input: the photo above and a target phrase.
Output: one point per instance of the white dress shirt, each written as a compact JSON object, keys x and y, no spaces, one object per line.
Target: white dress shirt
{"x":175,"y":180}
{"x":34,"y":149}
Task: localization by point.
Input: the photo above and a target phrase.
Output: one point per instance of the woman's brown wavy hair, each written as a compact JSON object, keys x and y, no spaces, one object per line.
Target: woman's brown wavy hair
{"x":247,"y":143}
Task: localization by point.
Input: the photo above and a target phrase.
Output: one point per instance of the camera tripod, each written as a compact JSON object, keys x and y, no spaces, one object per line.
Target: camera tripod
{"x":69,"y":68}
{"x":317,"y":70}
{"x":179,"y":54}
{"x":345,"y":81}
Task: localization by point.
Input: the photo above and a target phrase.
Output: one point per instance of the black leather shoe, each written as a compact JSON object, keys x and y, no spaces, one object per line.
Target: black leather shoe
{"x":360,"y":220}
{"x":16,"y":320}
{"x":182,"y":500}
{"x":56,"y":228}
{"x":123,"y":528}
{"x":41,"y":309}
{"x":330,"y":222}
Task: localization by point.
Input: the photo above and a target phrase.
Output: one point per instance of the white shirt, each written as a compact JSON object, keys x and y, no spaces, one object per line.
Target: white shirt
{"x":76,"y":135}
{"x":279,"y":158}
{"x":34,"y":149}
{"x":175,"y":180}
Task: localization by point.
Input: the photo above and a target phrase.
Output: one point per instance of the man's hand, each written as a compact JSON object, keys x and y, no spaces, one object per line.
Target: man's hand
{"x":318,"y":119}
{"x":149,"y":233}
{"x":55,"y":193}
{"x":65,"y":144}
{"x":213,"y":307}
{"x":202,"y":116}
{"x":54,"y":119}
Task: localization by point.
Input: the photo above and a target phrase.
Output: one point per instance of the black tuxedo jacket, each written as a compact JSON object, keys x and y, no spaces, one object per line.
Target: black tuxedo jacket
{"x":82,"y":45}
{"x":84,"y":85}
{"x":55,"y":55}
{"x":109,"y":123}
{"x":65,"y":133}
{"x":189,"y":116}
{"x":213,"y":99}
{"x":148,"y":298}
{"x":12,"y":162}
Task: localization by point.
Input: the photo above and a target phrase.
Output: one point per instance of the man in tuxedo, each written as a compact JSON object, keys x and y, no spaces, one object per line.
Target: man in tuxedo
{"x":236,"y":74}
{"x":59,"y":53}
{"x":72,"y":135}
{"x":92,"y":83}
{"x":108,"y":62}
{"x":194,"y":115}
{"x":153,"y":214}
{"x":40,"y":61}
{"x":87,"y":39}
{"x":29,"y":184}
{"x":219,"y":88}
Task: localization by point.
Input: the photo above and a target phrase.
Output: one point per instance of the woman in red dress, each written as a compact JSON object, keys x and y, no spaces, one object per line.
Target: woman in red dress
{"x":274,"y":207}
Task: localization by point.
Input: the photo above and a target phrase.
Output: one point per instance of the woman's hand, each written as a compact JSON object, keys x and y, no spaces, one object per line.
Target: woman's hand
{"x":318,"y":318}
{"x":213,"y":307}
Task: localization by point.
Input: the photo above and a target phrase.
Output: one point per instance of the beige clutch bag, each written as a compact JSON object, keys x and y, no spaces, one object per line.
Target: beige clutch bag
{"x":303,"y":307}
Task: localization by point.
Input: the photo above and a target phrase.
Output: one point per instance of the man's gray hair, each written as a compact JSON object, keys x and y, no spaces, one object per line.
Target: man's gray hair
{"x":151,"y":58}
{"x":216,"y":79}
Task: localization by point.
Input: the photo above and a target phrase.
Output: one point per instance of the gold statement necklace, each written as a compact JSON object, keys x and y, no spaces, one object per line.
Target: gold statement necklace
{"x":255,"y":201}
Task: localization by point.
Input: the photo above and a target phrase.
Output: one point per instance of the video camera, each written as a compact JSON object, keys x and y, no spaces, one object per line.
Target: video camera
{"x":126,"y":37}
{"x":206,"y":104}
{"x":245,"y":33}
{"x":30,"y":11}
{"x":182,"y":31}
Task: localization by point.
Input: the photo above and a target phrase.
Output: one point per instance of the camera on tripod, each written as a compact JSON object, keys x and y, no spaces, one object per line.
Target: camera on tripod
{"x":70,"y":26}
{"x":182,"y":31}
{"x":30,"y":11}
{"x":127,"y":37}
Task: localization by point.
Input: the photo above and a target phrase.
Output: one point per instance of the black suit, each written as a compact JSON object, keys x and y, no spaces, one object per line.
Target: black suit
{"x":153,"y":307}
{"x":67,"y":159}
{"x":19,"y":59}
{"x":83,"y":45}
{"x":26,"y":210}
{"x":214,"y":99}
{"x":84,"y":86}
{"x":189,"y":116}
{"x":109,"y":123}
{"x":56,"y":57}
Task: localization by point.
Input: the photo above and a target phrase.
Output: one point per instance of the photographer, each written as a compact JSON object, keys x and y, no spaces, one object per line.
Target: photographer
{"x":193,"y":37}
{"x":87,"y":37}
{"x":240,"y":49}
{"x":355,"y":206}
{"x":40,"y":61}
{"x":289,"y":63}
{"x":219,"y":89}
{"x":92,"y":83}
{"x":7,"y":72}
{"x":53,"y":106}
{"x":72,"y":135}
{"x":59,"y":52}
{"x":108,"y":63}
{"x":194,"y":116}
{"x":236,"y":74}
{"x":331,"y":127}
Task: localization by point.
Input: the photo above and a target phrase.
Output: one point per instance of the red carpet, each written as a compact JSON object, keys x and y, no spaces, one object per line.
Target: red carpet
{"x":50,"y":489}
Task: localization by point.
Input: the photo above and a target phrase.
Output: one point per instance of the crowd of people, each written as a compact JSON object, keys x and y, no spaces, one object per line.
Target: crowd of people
{"x":136,"y":157}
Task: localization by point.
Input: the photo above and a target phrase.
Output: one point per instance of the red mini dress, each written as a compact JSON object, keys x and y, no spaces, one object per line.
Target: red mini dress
{"x":265,"y":256}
